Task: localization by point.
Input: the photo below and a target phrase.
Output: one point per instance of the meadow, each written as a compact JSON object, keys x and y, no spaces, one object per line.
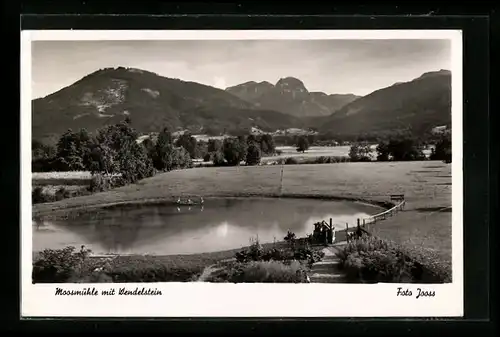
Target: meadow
{"x":426,"y":220}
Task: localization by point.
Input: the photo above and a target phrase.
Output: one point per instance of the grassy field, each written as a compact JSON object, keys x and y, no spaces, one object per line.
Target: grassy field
{"x":426,"y":220}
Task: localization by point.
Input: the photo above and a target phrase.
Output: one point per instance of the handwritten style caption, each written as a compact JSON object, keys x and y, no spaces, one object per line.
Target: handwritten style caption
{"x":109,"y":292}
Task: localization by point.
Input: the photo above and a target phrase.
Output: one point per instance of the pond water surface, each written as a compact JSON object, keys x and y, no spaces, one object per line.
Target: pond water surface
{"x":220,"y":224}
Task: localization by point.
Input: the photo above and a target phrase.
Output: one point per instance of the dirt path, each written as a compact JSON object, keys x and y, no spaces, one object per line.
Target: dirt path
{"x":207,"y":272}
{"x":212,"y":269}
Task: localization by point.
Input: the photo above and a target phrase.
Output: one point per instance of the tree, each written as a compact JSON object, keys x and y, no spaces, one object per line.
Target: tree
{"x":311,"y":139}
{"x":134,"y":162}
{"x":253,"y":154}
{"x":442,"y":150}
{"x":360,"y":152}
{"x":302,"y":144}
{"x":383,"y":151}
{"x":148,"y":144}
{"x":201,"y":149}
{"x":252,"y":139}
{"x":166,"y":156}
{"x":103,"y":160}
{"x":214,"y":145}
{"x":189,"y":143}
{"x":234,"y":151}
{"x":165,"y":136}
{"x":116,"y":151}
{"x":72,"y":151}
{"x":42,"y":157}
{"x":218,"y":158}
{"x":267,"y":144}
{"x":402,"y":148}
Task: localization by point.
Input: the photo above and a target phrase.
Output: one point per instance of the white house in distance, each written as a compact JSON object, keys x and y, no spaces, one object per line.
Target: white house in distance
{"x":440,"y":129}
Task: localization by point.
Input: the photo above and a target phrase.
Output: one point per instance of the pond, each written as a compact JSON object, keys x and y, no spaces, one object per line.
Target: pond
{"x":220,"y":224}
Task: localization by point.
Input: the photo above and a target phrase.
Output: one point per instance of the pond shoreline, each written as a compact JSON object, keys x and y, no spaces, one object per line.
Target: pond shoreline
{"x":68,"y":212}
{"x":75,"y":212}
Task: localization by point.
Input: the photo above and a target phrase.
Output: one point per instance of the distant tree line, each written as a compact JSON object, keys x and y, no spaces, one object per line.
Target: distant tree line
{"x":426,"y":137}
{"x":401,"y":148}
{"x":233,"y":150}
{"x":115,"y":151}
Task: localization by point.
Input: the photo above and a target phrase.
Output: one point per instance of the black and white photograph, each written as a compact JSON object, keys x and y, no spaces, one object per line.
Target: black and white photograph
{"x":237,"y":166}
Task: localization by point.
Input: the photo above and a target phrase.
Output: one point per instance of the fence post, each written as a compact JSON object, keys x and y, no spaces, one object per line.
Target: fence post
{"x":364,"y":223}
{"x":358,"y":222}
{"x":347,"y":232}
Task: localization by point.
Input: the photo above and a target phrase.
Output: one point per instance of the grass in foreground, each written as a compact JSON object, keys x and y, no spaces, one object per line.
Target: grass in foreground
{"x":277,"y":262}
{"x":261,"y":272}
{"x":371,"y":259}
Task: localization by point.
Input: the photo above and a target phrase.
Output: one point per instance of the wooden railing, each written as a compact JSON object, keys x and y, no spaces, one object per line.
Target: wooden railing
{"x":363,"y":224}
{"x":383,"y":215}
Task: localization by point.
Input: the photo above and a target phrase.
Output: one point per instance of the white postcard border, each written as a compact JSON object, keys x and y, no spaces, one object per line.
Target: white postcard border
{"x":243,"y":300}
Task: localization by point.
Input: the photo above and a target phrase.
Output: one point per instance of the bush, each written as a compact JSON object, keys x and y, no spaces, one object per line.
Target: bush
{"x":63,"y":265}
{"x":150,"y":270}
{"x":370,"y":259}
{"x":101,"y":182}
{"x":330,"y":159}
{"x":58,"y":265}
{"x":218,"y":158}
{"x":62,"y":193}
{"x":262,"y":272}
{"x":291,"y":161}
{"x":293,"y":251}
{"x":253,"y":155}
{"x":38,"y":197}
{"x":360,"y":152}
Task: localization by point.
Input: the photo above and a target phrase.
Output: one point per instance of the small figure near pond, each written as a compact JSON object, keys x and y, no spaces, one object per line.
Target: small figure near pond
{"x":189,"y":202}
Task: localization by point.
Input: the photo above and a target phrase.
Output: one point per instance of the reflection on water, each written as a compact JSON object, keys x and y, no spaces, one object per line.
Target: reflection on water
{"x":219,"y":224}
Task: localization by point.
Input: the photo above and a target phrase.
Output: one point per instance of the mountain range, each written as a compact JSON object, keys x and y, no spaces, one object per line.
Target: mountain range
{"x":151,"y":101}
{"x":289,"y":95}
{"x":417,"y":105}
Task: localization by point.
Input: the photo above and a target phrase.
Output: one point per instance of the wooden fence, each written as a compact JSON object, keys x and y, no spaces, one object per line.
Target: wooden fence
{"x":365,"y":223}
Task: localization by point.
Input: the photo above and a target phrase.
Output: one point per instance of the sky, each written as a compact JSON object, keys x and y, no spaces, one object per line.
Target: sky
{"x":331,"y":66}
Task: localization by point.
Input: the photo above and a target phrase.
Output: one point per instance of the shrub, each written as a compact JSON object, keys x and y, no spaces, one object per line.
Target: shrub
{"x":293,"y":251}
{"x":99,"y":183}
{"x":360,"y":152}
{"x":62,"y":193}
{"x":262,"y":272}
{"x":218,"y":158}
{"x":253,"y":155}
{"x":302,"y":144}
{"x":370,"y":259}
{"x":58,"y":265}
{"x":277,"y":254}
{"x":38,"y":196}
{"x":291,"y":161}
{"x":150,"y":270}
{"x":102,"y":182}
